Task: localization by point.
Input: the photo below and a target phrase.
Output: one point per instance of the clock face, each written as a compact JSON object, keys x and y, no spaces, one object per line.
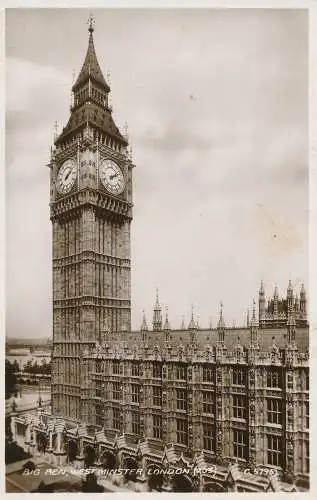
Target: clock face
{"x":66,"y":176}
{"x":112,"y":177}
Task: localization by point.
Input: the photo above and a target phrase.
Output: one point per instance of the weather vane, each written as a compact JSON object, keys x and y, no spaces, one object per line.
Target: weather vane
{"x":91,"y":23}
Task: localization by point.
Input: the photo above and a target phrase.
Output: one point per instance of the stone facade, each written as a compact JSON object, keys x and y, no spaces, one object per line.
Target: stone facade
{"x":227,"y":408}
{"x":91,"y":238}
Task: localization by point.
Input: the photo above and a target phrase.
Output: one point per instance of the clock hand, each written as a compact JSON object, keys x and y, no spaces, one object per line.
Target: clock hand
{"x":113,"y":176}
{"x":68,"y":174}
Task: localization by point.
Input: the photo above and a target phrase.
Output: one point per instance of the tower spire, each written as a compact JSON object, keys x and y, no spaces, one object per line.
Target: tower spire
{"x":192,"y":325}
{"x":167,"y":325}
{"x":144,"y":327}
{"x":221,"y":325}
{"x":157,"y":314}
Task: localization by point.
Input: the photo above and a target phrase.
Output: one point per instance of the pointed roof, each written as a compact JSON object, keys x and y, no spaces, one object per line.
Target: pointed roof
{"x":302,"y":291}
{"x":261,"y":291}
{"x":144,"y":323}
{"x":167,"y":325}
{"x":157,"y":306}
{"x":253,"y":319}
{"x":192,"y":325}
{"x":90,"y":68}
{"x":221,"y":322}
{"x":290,"y":287}
{"x":275,"y":296}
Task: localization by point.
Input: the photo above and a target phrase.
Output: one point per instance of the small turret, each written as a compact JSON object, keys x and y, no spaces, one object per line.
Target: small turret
{"x":221,"y":325}
{"x":291,"y":328}
{"x":261,"y":303}
{"x":303,"y":302}
{"x":144,"y":327}
{"x":157,"y":315}
{"x":192,"y":325}
{"x":290,"y":298}
{"x":253,"y":327}
{"x":167,"y":325}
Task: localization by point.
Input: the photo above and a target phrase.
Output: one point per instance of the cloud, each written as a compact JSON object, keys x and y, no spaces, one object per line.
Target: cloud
{"x":216,"y":103}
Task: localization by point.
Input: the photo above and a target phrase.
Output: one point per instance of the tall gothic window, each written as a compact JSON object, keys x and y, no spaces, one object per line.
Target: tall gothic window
{"x":181,"y":372}
{"x":208,"y":402}
{"x":116,"y":367}
{"x":181,"y":399}
{"x":274,"y":378}
{"x":306,"y":410}
{"x":238,"y":376}
{"x":306,"y":381}
{"x":181,"y":431}
{"x":116,"y":391}
{"x":135,"y":369}
{"x":208,"y":374}
{"x":135,"y":422}
{"x":209,"y":436}
{"x":239,"y":406}
{"x":157,"y":370}
{"x":135,"y":393}
{"x":274,"y":411}
{"x":157,"y":426}
{"x":98,"y":390}
{"x":99,"y":415}
{"x":239,"y":443}
{"x":116,"y":418}
{"x":157,"y":396}
{"x":274,"y":450}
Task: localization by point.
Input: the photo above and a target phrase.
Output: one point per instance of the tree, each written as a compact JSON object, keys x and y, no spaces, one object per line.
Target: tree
{"x":16,"y":367}
{"x":10,"y":379}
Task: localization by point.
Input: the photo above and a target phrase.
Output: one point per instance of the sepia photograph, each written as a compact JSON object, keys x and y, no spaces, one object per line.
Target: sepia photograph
{"x":157,"y":250}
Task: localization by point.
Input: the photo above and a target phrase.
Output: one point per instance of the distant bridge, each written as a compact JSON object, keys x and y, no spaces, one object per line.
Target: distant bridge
{"x":34,"y":378}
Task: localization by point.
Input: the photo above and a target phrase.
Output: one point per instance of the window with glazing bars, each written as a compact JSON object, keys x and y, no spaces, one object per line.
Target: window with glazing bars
{"x":274,"y":379}
{"x":181,"y":399}
{"x":116,"y":418}
{"x":209,"y":402}
{"x":274,"y":450}
{"x":135,"y":393}
{"x":239,"y":443}
{"x":135,"y":369}
{"x":157,"y":396}
{"x":208,"y":374}
{"x":181,"y":372}
{"x":135,"y":422}
{"x":209,"y":436}
{"x":306,"y":410}
{"x":116,"y":367}
{"x":157,"y":426}
{"x":274,"y":411}
{"x":116,"y":391}
{"x":157,"y":370}
{"x":239,"y":406}
{"x":238,"y":376}
{"x":181,"y":431}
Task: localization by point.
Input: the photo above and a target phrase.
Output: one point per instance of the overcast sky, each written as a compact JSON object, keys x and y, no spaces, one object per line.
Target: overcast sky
{"x":216,"y":103}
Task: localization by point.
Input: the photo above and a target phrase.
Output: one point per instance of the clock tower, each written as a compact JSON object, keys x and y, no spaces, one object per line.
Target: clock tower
{"x":91,"y":212}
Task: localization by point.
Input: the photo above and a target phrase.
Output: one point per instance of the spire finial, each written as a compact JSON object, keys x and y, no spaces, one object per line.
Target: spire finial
{"x":91,"y":23}
{"x":253,"y":310}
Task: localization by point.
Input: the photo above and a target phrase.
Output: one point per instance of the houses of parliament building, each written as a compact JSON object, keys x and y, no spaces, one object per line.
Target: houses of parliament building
{"x":226,"y":409}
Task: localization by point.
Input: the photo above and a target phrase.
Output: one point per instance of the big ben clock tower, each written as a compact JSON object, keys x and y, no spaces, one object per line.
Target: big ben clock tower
{"x":91,"y":212}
